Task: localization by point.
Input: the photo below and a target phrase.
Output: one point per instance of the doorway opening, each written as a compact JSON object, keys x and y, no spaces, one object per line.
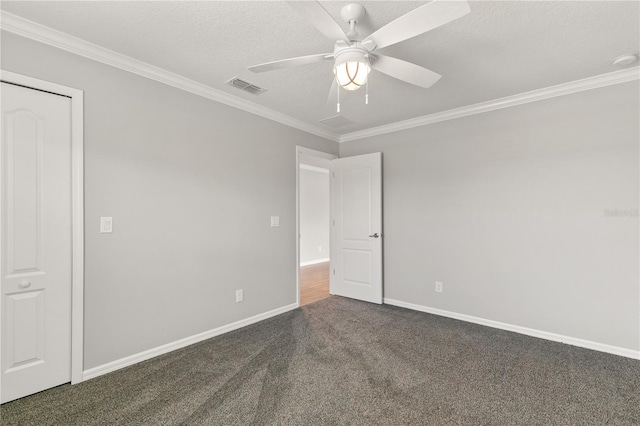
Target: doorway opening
{"x":313,"y":222}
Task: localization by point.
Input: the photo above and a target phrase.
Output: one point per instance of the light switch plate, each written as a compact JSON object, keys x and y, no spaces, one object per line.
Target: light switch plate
{"x":106,"y":225}
{"x":275,"y":221}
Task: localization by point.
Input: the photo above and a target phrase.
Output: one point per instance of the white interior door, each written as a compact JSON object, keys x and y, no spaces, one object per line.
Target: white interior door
{"x":356,"y":227}
{"x":35,"y":160}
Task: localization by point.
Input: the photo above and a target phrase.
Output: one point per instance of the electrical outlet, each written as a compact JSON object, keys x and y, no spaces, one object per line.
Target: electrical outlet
{"x":319,"y":249}
{"x":439,"y":286}
{"x":239,"y":296}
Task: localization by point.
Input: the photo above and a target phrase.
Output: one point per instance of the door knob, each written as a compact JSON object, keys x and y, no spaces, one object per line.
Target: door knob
{"x":25,"y":284}
{"x":374,"y":235}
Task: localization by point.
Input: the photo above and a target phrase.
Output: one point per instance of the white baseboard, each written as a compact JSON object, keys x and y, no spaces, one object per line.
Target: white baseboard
{"x":160,"y":350}
{"x":313,"y":262}
{"x":615,"y":350}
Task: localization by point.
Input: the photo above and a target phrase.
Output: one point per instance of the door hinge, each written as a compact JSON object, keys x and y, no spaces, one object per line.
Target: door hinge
{"x":334,"y":271}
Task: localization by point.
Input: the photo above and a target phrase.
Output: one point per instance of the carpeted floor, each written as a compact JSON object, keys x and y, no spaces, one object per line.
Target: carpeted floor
{"x":340,"y":361}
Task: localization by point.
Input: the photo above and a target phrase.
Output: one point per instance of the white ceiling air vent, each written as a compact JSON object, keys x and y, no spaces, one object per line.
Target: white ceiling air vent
{"x":336,"y":121}
{"x":246,"y":86}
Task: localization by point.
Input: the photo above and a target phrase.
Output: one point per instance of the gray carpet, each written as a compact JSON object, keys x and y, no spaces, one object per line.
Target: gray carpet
{"x":341,"y":361}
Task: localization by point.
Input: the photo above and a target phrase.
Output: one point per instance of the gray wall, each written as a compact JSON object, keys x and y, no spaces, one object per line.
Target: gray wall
{"x":191,"y":185}
{"x":314,"y":215}
{"x":507,"y":208}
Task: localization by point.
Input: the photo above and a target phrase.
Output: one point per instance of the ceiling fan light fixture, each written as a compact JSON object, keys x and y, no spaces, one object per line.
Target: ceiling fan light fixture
{"x":352,"y":68}
{"x":352,"y":75}
{"x":354,"y":57}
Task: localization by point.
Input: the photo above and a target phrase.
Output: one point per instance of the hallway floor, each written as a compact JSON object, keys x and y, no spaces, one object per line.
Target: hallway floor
{"x":314,"y":283}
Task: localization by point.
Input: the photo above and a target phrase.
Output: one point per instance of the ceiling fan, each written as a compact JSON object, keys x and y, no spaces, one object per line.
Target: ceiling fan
{"x":354,"y":57}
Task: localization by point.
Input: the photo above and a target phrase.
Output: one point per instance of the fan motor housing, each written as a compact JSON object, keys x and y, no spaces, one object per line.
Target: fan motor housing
{"x":353,"y":53}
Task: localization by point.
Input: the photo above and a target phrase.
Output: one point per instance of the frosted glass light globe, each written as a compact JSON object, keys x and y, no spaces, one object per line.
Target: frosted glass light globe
{"x":352,"y":75}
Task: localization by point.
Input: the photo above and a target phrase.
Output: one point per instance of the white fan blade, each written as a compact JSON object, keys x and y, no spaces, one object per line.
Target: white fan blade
{"x":291,"y":62}
{"x":425,"y":18}
{"x":406,"y":71}
{"x":320,"y":18}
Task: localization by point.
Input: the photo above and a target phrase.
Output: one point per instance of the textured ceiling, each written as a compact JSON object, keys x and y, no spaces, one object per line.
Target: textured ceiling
{"x":501,"y":48}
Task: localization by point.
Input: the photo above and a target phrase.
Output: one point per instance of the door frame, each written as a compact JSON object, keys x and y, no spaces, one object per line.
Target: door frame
{"x":77,"y":209}
{"x":320,"y":154}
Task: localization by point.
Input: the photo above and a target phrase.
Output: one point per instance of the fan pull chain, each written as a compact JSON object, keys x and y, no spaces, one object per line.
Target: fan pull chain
{"x":366,"y":95}
{"x":338,"y":104}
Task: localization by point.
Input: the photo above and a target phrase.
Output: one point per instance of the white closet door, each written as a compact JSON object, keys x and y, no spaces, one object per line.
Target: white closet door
{"x":35,"y":161}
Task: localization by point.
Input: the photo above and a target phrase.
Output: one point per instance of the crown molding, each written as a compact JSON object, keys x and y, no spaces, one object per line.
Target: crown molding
{"x":589,"y":83}
{"x":34,"y":31}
